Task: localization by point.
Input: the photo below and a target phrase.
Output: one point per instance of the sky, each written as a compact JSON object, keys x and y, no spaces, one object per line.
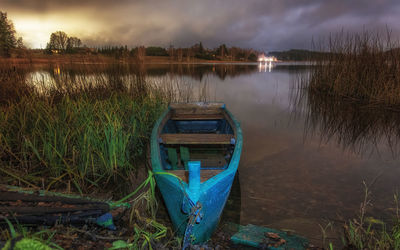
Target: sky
{"x":260,"y":24}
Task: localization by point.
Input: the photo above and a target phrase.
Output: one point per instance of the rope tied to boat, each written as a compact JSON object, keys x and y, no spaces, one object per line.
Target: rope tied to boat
{"x":195,"y":216}
{"x":188,"y":207}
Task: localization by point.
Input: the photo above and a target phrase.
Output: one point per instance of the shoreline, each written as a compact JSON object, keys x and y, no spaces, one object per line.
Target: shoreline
{"x":100,"y":59}
{"x":40,"y":60}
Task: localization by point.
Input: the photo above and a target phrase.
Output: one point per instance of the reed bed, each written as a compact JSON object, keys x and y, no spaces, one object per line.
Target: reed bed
{"x":81,"y":131}
{"x":359,"y":67}
{"x":352,"y":94}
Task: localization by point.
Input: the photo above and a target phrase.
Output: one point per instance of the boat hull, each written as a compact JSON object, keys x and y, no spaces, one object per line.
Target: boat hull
{"x":212,"y":195}
{"x":212,"y":198}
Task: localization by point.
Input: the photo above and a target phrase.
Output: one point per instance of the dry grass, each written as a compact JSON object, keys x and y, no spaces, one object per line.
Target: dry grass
{"x":360,"y":67}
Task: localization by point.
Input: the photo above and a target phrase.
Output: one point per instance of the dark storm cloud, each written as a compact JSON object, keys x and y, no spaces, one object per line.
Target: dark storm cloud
{"x":269,"y":25}
{"x":40,"y":6}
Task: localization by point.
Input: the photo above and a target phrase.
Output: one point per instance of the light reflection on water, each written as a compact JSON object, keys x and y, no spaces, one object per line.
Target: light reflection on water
{"x":290,"y":177}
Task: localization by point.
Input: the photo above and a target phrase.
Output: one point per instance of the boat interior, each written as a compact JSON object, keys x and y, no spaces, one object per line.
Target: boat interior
{"x":196,"y":133}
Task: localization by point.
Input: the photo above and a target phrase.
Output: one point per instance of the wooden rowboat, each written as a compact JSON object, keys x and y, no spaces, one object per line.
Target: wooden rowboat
{"x":195,"y":153}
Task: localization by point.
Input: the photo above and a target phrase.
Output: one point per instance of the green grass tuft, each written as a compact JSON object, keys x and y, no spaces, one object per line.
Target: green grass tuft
{"x":87,"y":131}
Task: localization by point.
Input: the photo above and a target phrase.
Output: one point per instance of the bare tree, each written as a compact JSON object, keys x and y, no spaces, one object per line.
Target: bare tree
{"x":58,"y":41}
{"x":73,"y":42}
{"x":189,"y":54}
{"x":171,"y":52}
{"x":180,"y":54}
{"x":141,"y":53}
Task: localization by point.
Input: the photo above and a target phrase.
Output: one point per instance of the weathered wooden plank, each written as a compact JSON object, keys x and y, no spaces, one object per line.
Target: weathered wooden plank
{"x":177,"y":116}
{"x":51,"y":210}
{"x":75,"y":218}
{"x":196,"y":138}
{"x":13,"y":196}
{"x":204,"y":174}
{"x":203,"y":105}
{"x":197,"y":111}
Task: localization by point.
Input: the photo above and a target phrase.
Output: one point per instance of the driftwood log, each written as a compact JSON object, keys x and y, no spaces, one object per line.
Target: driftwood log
{"x":41,"y":209}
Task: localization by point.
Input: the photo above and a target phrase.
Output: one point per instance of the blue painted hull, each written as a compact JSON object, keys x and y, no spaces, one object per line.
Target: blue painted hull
{"x":213,"y":193}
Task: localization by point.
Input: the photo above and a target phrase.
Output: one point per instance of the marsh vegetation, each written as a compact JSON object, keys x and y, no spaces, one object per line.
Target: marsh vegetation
{"x":81,"y":132}
{"x":363,"y":68}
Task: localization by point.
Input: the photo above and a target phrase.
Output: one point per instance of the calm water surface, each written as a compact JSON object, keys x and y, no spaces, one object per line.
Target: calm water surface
{"x":302,"y":165}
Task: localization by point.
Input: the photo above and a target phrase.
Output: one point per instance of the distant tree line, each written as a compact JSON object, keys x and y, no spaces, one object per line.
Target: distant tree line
{"x":222,"y":52}
{"x":298,"y":55}
{"x":198,"y":51}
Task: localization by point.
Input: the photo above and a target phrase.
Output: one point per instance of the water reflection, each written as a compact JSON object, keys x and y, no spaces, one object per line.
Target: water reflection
{"x":200,"y":71}
{"x":262,"y":67}
{"x":180,"y":82}
{"x":194,"y":71}
{"x":363,"y":129}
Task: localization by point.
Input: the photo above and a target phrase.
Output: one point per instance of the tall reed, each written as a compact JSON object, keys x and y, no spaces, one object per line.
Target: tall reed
{"x":81,"y":130}
{"x":360,"y":67}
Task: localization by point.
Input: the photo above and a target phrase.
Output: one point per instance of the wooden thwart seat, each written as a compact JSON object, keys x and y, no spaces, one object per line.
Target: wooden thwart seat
{"x":198,"y":112}
{"x":204,"y":174}
{"x":196,"y":138}
{"x":178,"y":116}
{"x":214,"y":105}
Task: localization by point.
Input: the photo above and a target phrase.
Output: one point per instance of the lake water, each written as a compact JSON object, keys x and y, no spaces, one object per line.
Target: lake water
{"x":303,"y":165}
